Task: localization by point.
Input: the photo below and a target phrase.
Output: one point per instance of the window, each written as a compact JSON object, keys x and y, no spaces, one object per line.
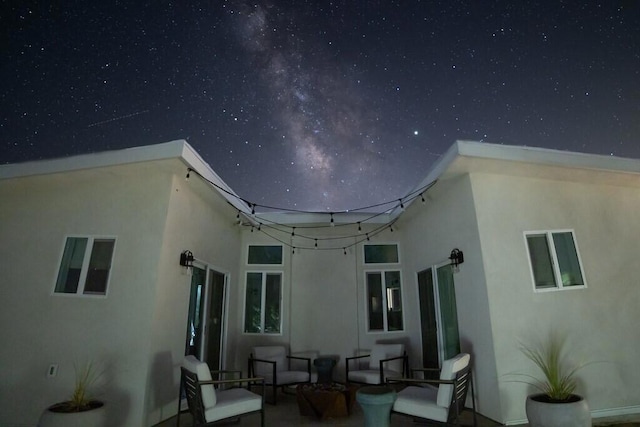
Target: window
{"x":555,"y":262}
{"x":85,"y":266}
{"x":384,"y":301}
{"x":263,"y":303}
{"x":380,"y":254}
{"x":266,"y":255}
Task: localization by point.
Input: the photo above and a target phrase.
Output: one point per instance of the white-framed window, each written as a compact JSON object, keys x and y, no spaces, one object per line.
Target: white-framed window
{"x":263,"y":290}
{"x":85,"y":265}
{"x":384,"y":301}
{"x":263,"y":303}
{"x":554,"y":260}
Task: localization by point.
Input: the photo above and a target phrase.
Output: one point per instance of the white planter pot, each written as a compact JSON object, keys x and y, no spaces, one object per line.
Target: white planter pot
{"x":545,"y":414}
{"x":93,"y":418}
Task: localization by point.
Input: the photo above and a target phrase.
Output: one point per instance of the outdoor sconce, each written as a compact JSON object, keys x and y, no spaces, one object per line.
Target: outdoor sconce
{"x":456,"y":257}
{"x":186,"y":259}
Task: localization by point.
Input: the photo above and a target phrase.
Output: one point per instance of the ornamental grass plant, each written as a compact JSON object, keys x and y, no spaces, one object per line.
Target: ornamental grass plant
{"x":559,"y":381}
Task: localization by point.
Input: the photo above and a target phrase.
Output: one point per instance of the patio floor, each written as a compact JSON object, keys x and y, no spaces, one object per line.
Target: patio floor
{"x":286,"y":414}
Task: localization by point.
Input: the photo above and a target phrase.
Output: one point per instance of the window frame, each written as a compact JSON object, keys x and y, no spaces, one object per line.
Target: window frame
{"x":557,"y":274}
{"x":263,"y":301}
{"x":86,"y":260}
{"x":384,"y":302}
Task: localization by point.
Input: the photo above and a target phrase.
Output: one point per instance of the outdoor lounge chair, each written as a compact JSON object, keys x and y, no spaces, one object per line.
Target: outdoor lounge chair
{"x":385,"y":360}
{"x":208,"y":404}
{"x":438,"y":400}
{"x":274,"y":365}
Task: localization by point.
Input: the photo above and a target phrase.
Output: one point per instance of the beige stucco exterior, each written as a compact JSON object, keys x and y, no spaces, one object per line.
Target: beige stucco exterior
{"x":485,"y":198}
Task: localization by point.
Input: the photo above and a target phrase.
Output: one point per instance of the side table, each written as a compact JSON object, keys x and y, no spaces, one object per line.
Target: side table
{"x":324,"y":366}
{"x":376,"y":403}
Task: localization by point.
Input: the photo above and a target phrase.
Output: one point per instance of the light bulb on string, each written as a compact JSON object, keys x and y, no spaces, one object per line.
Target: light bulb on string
{"x":293,"y":232}
{"x":359,"y":227}
{"x":253,"y":209}
{"x":367,"y":237}
{"x":422,"y":197}
{"x":316,"y":244}
{"x":188,"y":174}
{"x":293,"y":249}
{"x":401,"y":204}
{"x":332,"y":223}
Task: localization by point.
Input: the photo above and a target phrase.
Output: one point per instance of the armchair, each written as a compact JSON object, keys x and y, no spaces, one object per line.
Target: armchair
{"x":440,"y":400}
{"x":273,"y":364}
{"x":208,"y":404}
{"x":385,"y":360}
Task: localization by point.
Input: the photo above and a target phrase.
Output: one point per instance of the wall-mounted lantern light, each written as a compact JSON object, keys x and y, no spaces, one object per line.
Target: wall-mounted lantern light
{"x":457,"y":258}
{"x":186,"y":259}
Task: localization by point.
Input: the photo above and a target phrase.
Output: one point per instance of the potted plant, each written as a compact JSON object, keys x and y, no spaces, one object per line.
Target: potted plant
{"x":557,"y":403}
{"x":82,"y":409}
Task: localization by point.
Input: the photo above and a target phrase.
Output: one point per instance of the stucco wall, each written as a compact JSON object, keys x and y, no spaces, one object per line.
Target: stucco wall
{"x":598,"y":320}
{"x":201,"y":221}
{"x":323,"y":298}
{"x":430,"y":231}
{"x":39,"y":328}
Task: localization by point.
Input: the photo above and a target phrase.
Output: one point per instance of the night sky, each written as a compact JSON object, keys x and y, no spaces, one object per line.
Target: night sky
{"x":318,"y":105}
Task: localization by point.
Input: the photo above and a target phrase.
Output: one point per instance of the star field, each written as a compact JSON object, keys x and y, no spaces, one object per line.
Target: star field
{"x":319,"y":105}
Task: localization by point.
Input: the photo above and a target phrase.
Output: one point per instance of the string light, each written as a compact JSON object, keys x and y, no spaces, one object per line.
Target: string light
{"x":272,"y":225}
{"x":344,"y":250}
{"x":188,"y":173}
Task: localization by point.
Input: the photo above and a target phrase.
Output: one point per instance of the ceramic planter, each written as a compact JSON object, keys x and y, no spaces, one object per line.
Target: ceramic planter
{"x":542,"y":413}
{"x":95,"y":417}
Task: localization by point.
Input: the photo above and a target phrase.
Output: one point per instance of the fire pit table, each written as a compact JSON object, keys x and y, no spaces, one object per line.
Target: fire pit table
{"x":325,"y":401}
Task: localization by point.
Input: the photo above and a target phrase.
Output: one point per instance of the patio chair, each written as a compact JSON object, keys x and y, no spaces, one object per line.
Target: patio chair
{"x":274,"y":365}
{"x":385,"y":360}
{"x":438,"y":400}
{"x":208,"y":404}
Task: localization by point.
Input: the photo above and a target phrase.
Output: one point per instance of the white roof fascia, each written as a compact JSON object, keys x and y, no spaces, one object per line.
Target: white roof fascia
{"x":162,"y":151}
{"x":168,"y":150}
{"x":547,"y":156}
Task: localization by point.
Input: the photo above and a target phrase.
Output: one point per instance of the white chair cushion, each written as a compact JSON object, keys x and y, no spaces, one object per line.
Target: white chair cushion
{"x":386,"y":351}
{"x":420,"y":402}
{"x":371,"y":376}
{"x":450,"y":368}
{"x":232,"y":402}
{"x":273,"y":353}
{"x":201,"y":369}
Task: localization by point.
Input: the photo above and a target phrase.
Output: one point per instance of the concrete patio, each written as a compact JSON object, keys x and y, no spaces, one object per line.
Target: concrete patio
{"x":286,"y":414}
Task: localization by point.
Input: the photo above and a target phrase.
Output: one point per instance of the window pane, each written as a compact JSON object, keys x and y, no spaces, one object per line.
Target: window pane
{"x":253,"y":303}
{"x":541,"y":261}
{"x":567,"y":259}
{"x":71,"y":265}
{"x":265,"y":255}
{"x":374,"y":301}
{"x":272,"y":304}
{"x":377,"y":254}
{"x":394,"y":300}
{"x":99,"y":266}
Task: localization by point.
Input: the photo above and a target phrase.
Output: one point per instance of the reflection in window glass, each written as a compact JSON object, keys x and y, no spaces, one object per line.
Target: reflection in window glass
{"x":253,"y":304}
{"x":71,"y":265}
{"x":265,"y":255}
{"x":384,"y":301}
{"x":378,"y":254}
{"x":263,"y":303}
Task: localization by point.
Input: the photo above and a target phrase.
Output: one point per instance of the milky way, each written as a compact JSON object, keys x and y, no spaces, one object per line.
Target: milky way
{"x":319,"y":105}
